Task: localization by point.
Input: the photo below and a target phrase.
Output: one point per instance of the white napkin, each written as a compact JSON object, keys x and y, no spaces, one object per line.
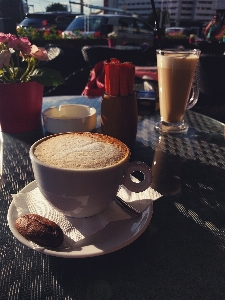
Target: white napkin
{"x":75,"y":229}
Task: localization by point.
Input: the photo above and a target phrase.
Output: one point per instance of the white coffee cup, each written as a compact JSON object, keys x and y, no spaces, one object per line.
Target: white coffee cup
{"x":83,"y":192}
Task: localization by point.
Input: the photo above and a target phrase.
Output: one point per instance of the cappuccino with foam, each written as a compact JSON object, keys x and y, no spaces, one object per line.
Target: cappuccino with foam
{"x":81,"y":151}
{"x":80,"y":173}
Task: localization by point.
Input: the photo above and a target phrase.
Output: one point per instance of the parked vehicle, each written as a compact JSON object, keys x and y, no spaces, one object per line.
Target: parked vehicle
{"x":44,"y":21}
{"x":127,"y":30}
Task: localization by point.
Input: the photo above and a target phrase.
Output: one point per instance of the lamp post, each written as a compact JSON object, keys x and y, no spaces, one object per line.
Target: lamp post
{"x":161,"y":15}
{"x":70,"y":6}
{"x":26,"y":6}
{"x":81,"y":6}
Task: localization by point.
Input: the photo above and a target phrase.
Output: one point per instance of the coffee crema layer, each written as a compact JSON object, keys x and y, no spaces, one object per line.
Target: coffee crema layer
{"x":177,"y":61}
{"x":81,"y":151}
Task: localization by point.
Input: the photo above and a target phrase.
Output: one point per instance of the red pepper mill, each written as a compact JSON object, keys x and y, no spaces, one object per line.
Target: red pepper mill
{"x":119,"y":112}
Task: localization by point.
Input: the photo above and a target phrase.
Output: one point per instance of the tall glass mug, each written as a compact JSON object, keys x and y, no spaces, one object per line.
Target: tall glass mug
{"x":176,"y":69}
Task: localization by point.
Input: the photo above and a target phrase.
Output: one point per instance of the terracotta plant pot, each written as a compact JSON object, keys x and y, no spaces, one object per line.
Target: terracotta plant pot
{"x":20,"y":106}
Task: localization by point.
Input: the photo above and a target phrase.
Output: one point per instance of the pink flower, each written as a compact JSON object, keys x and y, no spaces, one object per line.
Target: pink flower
{"x":39,"y":53}
{"x":5,"y":56}
{"x":20,"y":44}
{"x":3,"y":37}
{"x":97,"y":34}
{"x":47,"y":32}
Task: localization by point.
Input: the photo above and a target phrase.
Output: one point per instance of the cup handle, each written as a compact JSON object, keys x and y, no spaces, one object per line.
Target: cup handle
{"x":194,"y":96}
{"x":138,"y":186}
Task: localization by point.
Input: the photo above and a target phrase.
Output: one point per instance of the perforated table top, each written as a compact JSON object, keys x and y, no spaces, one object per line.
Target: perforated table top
{"x":179,"y":256}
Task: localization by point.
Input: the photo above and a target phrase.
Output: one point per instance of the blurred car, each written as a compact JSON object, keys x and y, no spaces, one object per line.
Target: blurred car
{"x":44,"y":21}
{"x":126,"y":29}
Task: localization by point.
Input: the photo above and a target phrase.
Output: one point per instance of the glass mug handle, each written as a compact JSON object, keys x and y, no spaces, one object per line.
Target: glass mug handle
{"x":137,"y":186}
{"x":194,"y":96}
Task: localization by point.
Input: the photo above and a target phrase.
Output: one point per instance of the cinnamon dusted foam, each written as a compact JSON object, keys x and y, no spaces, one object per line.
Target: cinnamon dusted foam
{"x":81,"y":151}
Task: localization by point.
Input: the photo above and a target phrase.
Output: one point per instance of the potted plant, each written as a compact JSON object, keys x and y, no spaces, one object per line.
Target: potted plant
{"x":112,"y":39}
{"x":22,"y":83}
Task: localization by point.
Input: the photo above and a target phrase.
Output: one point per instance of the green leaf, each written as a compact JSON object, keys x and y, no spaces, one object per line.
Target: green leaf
{"x":47,"y":77}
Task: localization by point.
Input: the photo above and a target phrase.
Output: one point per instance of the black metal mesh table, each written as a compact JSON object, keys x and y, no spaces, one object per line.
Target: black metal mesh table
{"x":179,"y":256}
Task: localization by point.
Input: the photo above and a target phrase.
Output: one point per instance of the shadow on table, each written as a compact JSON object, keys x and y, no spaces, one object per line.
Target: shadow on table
{"x":179,"y":256}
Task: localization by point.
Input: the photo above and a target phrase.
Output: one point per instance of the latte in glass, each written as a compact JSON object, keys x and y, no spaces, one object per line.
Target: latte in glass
{"x":176,"y":71}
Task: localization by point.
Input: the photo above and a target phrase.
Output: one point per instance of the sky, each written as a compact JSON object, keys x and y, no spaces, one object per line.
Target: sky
{"x":40,"y":5}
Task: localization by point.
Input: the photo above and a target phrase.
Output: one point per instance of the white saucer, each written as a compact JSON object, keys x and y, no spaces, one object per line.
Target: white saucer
{"x":114,"y":236}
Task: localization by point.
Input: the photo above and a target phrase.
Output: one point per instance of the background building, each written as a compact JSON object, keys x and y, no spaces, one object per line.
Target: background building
{"x":221,"y":7}
{"x":180,"y":11}
{"x":190,"y":10}
{"x":141,"y":8}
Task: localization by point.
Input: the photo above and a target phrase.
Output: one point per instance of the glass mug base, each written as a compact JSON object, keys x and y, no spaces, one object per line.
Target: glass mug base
{"x":167,"y":191}
{"x":175,"y":128}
